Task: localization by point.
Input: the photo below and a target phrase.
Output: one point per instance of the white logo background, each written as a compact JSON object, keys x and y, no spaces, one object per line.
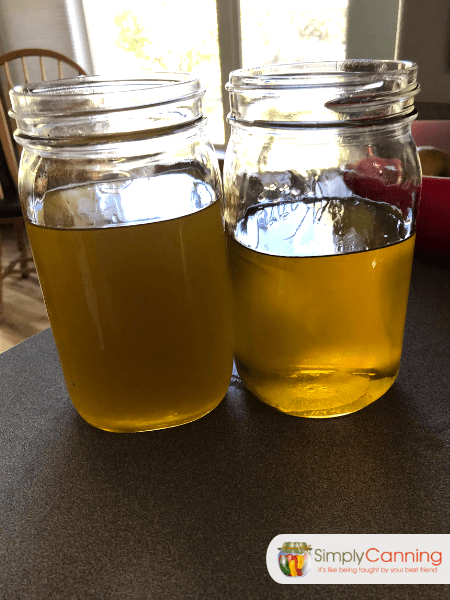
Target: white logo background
{"x":367,"y":559}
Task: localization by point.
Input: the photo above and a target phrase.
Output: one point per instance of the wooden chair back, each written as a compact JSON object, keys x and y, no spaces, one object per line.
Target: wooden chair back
{"x":19,"y":67}
{"x":24,"y":66}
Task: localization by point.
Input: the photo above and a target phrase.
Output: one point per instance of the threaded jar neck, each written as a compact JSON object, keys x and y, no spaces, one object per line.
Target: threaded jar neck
{"x":347,"y":93}
{"x":92,"y":107}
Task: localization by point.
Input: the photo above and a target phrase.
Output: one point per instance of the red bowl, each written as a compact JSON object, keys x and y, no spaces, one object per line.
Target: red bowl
{"x":433,"y":221}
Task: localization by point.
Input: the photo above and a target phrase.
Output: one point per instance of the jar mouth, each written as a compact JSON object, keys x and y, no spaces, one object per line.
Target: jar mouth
{"x":85,"y":106}
{"x":327,"y":73}
{"x":323,"y":92}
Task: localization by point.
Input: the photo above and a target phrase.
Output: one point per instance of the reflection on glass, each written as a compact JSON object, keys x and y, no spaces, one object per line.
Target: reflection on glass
{"x":121,"y":202}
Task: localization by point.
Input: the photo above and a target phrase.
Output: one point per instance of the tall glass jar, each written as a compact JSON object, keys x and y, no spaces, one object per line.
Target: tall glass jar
{"x":322,"y":182}
{"x":121,"y":193}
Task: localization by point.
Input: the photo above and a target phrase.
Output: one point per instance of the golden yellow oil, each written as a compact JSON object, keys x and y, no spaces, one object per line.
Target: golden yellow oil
{"x":319,"y":336}
{"x":140,"y":316}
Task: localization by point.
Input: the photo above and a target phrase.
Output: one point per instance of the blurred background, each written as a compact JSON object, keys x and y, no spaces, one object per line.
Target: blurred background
{"x":127,"y":38}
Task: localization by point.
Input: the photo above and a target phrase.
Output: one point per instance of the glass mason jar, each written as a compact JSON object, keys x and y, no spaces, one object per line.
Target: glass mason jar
{"x":121,"y":194}
{"x":322,"y":182}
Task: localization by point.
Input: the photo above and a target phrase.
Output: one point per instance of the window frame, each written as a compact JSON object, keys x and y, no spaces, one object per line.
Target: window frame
{"x":230,"y":51}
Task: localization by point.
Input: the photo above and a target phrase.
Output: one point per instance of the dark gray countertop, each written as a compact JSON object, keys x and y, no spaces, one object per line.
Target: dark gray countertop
{"x":189,"y":512}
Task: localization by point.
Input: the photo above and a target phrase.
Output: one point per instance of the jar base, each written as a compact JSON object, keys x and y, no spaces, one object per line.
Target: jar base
{"x":140,"y":426}
{"x":318,"y":393}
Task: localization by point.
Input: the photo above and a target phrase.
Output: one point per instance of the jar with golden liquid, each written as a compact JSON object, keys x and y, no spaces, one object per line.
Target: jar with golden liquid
{"x":121,"y":193}
{"x":322,"y":183}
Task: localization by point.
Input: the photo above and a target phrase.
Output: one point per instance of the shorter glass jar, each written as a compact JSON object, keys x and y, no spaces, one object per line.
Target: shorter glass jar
{"x":121,"y":193}
{"x":322,"y":182}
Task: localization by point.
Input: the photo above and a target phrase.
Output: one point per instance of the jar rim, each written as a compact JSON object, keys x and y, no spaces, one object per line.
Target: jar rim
{"x":97,"y":93}
{"x":322,"y":73}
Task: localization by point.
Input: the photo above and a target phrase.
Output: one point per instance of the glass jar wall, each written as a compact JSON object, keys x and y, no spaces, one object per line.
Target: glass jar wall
{"x":322,"y":182}
{"x":122,"y":197}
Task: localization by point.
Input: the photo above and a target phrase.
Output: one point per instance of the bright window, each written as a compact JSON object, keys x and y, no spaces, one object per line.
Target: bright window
{"x":130,"y":37}
{"x":288,"y":31}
